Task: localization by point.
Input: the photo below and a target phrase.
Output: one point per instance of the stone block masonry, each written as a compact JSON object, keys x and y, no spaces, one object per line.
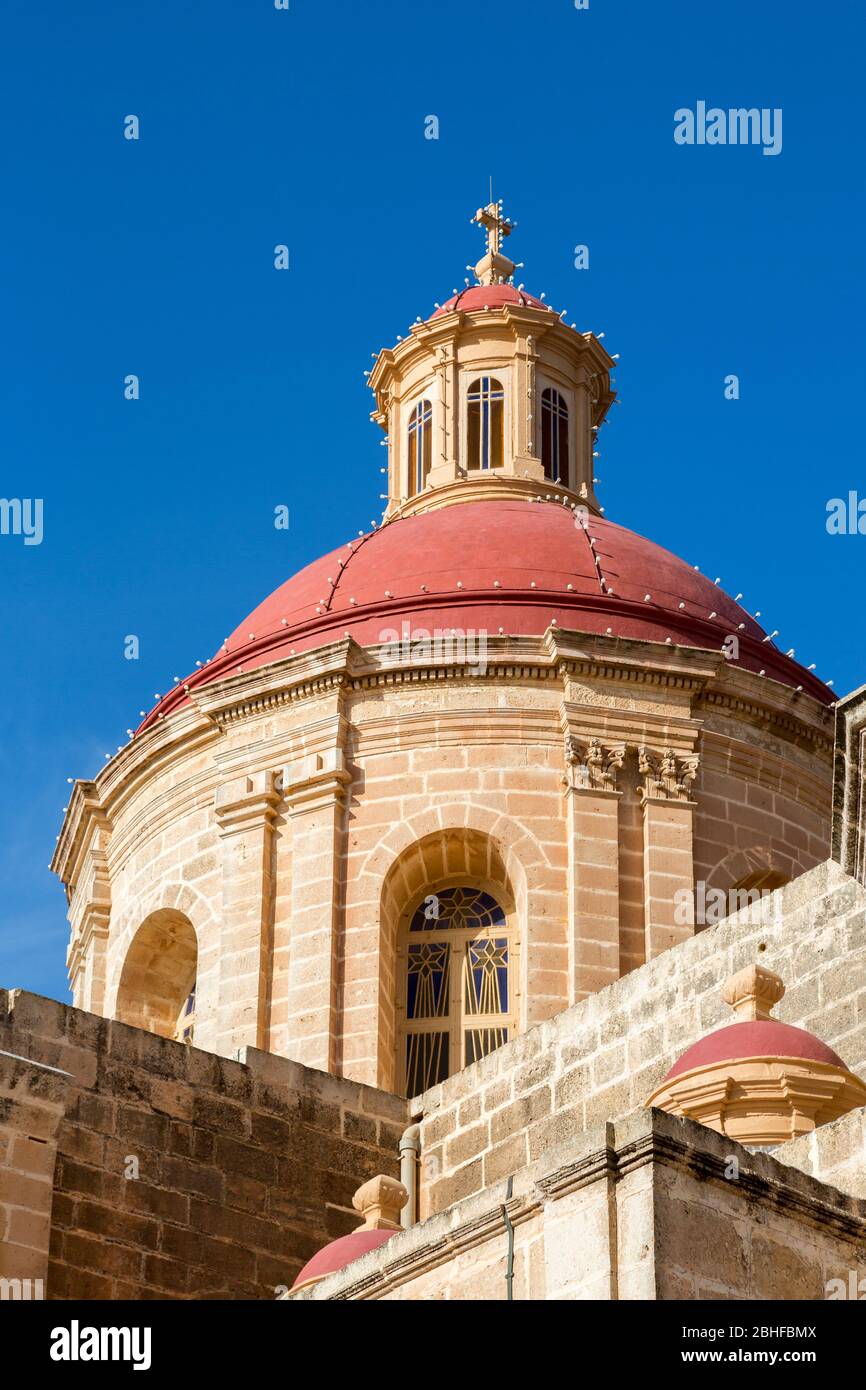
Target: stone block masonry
{"x":604,"y":1056}
{"x":32,"y":1103}
{"x":154,"y":1170}
{"x":641,"y":1208}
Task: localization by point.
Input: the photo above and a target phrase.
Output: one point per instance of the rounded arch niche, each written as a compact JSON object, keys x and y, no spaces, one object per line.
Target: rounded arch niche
{"x":449,"y":899}
{"x":159,"y":973}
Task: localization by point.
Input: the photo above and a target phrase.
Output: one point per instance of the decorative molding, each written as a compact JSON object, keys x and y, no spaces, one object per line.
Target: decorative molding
{"x":246,"y":803}
{"x":315,"y":781}
{"x":608,"y":1153}
{"x":668,"y":776}
{"x":765,"y":715}
{"x":592,"y":766}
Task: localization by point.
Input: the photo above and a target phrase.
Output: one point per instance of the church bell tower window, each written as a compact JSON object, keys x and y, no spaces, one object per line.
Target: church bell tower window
{"x":458,"y":985}
{"x":485,"y":423}
{"x":420,"y":446}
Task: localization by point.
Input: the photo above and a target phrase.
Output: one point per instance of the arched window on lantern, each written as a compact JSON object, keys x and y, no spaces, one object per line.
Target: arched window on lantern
{"x":554,"y":436}
{"x":485,"y":424}
{"x":420,"y":446}
{"x":458,"y":985}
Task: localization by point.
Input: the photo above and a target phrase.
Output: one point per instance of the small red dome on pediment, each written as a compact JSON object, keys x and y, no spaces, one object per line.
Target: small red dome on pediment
{"x":340,"y":1253}
{"x":755,"y":1039}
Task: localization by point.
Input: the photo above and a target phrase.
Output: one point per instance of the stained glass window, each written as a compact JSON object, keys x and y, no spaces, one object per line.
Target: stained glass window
{"x":468,"y":908}
{"x":554,"y":436}
{"x":458,"y":970}
{"x":427,"y":980}
{"x":485,"y":977}
{"x":485,"y":423}
{"x":420,"y":446}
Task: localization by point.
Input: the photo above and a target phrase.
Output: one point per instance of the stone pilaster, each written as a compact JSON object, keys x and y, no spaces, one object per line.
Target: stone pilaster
{"x":315,"y":792}
{"x":246,"y":809}
{"x":86,"y":959}
{"x":593,"y":864}
{"x":668,"y":868}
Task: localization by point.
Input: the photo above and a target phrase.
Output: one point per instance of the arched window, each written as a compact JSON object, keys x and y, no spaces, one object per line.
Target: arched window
{"x":554,"y":436}
{"x":485,"y":423}
{"x":186,"y":1019}
{"x":159,"y":973}
{"x":459,"y":985}
{"x":420,"y":446}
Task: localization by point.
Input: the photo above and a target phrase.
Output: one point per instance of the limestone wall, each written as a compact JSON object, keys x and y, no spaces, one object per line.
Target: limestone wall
{"x":835,"y":1153}
{"x":604,"y":1056}
{"x":285,"y":815}
{"x":648,"y":1207}
{"x":32,"y":1103}
{"x":178,"y":1174}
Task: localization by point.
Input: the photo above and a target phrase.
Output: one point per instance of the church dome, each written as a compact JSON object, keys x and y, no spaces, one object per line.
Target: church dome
{"x":518,"y":566}
{"x":476,"y":297}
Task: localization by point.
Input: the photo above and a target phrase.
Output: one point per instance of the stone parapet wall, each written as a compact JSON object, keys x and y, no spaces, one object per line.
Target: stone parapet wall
{"x":604,"y":1056}
{"x":179,"y":1174}
{"x":642,"y":1208}
{"x":32,"y":1103}
{"x":835,"y":1153}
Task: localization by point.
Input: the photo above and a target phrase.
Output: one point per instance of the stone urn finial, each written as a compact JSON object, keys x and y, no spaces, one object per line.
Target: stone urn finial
{"x":753,"y":992}
{"x":380,"y":1202}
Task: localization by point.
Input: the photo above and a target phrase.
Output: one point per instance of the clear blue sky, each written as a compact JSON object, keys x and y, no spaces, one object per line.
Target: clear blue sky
{"x":306,"y":127}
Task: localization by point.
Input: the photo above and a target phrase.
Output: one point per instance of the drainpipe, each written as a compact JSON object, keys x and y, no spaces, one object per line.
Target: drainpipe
{"x":410,"y":1147}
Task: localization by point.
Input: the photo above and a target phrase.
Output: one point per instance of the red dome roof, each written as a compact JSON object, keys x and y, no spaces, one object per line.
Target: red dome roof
{"x":517,"y":566}
{"x":759,"y":1038}
{"x":341,"y":1253}
{"x":489,"y":297}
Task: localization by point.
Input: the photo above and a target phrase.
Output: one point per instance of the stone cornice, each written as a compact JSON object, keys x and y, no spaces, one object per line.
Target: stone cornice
{"x":765,"y":716}
{"x":85,"y":817}
{"x":94,"y":805}
{"x":507,"y":323}
{"x":314,"y":782}
{"x":492,"y":486}
{"x":700,"y":680}
{"x":608,"y":1153}
{"x":760,"y":1176}
{"x":247,"y":803}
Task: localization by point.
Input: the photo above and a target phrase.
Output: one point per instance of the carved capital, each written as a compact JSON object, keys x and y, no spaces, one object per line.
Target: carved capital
{"x":592,"y":766}
{"x":668,"y":776}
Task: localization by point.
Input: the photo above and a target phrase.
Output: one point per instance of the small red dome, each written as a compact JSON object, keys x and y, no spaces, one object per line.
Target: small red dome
{"x":340,"y":1253}
{"x":518,"y":566}
{"x":759,"y":1038}
{"x":489,"y":297}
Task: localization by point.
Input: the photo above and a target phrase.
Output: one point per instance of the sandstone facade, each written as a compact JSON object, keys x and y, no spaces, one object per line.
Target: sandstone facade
{"x":270,"y":841}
